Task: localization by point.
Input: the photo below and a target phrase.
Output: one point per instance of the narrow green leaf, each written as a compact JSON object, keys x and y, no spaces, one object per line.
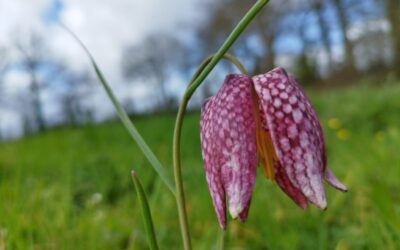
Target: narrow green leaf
{"x":126,"y":121}
{"x":146,"y":214}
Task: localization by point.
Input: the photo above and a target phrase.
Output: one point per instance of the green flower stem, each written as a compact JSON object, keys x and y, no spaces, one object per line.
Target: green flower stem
{"x":202,"y":74}
{"x":133,"y":132}
{"x":180,"y":196}
{"x":146,"y":214}
{"x":221,"y":239}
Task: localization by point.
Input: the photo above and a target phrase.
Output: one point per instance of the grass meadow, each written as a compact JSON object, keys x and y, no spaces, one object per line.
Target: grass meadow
{"x":70,"y":188}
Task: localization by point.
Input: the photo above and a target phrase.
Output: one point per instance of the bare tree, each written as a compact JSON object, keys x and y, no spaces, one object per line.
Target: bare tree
{"x":4,"y":65}
{"x":33,"y":57}
{"x":268,"y":26}
{"x":372,"y":51}
{"x":318,"y":6}
{"x":154,"y":60}
{"x":25,"y":109}
{"x":306,"y":70}
{"x":393,"y":15}
{"x":72,"y":87}
{"x":341,"y":12}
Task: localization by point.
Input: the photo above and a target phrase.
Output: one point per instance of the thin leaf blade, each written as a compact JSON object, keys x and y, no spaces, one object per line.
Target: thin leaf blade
{"x":130,"y":127}
{"x":146,"y":214}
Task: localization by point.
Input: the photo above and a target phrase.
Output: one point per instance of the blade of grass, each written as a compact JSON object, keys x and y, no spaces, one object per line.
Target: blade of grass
{"x":146,"y":214}
{"x":125,"y":119}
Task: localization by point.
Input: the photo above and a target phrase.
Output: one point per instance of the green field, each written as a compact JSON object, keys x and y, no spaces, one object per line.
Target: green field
{"x":70,"y":188}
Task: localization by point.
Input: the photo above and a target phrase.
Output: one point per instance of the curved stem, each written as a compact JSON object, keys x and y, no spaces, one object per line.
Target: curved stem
{"x":180,"y":196}
{"x":201,"y":75}
{"x":206,"y":61}
{"x":244,"y":22}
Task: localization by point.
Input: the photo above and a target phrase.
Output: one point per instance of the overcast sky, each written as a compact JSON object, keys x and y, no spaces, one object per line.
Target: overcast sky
{"x":104,"y":26}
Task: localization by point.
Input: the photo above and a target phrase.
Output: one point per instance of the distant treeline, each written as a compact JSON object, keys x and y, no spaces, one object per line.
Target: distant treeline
{"x":320,"y":41}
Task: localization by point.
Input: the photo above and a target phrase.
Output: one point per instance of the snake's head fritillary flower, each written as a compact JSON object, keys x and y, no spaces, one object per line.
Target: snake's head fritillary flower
{"x":269,"y":120}
{"x":296,"y":159}
{"x":228,"y":139}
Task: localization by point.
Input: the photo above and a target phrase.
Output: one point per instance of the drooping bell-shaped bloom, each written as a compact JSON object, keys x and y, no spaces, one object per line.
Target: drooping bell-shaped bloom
{"x":266,"y":119}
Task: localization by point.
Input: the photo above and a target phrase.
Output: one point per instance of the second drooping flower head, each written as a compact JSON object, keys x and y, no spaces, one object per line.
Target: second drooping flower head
{"x":265,"y":120}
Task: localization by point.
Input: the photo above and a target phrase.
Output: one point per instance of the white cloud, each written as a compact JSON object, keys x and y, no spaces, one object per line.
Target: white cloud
{"x":15,"y":81}
{"x":107,"y":26}
{"x":16,"y":15}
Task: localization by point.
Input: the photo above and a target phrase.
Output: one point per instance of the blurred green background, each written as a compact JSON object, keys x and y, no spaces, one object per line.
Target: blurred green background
{"x":70,"y":188}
